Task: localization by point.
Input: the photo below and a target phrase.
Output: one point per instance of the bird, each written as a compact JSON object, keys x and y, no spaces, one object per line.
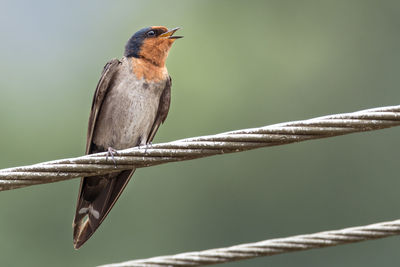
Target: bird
{"x":131,"y":101}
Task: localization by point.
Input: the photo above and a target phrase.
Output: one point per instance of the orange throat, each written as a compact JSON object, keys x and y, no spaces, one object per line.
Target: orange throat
{"x":151,"y":64}
{"x":144,"y":69}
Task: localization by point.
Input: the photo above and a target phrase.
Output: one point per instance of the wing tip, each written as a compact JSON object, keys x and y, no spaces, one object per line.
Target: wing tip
{"x":85,"y":224}
{"x":90,"y":214}
{"x":82,"y":232}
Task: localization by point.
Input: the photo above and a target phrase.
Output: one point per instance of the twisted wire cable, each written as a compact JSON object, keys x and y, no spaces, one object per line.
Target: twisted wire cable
{"x":203,"y":146}
{"x":270,"y":247}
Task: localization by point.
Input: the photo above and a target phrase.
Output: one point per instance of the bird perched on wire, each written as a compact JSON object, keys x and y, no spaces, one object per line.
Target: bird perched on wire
{"x":131,"y":100}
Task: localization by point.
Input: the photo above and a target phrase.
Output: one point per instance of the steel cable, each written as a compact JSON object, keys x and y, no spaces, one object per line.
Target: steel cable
{"x":203,"y":146}
{"x":270,"y":247}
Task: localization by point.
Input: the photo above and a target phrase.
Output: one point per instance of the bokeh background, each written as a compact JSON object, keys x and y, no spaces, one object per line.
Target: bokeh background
{"x":241,"y":64}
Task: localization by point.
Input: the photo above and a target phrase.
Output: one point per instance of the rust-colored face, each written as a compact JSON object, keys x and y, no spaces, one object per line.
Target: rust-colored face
{"x":156,"y":45}
{"x":148,"y":50}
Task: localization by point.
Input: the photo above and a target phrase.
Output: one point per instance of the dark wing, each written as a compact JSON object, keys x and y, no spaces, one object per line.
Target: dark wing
{"x":105,"y":82}
{"x":97,"y":194}
{"x":163,"y":109}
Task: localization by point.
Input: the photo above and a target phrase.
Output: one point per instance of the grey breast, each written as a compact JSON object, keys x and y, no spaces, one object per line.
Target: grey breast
{"x":128,"y":110}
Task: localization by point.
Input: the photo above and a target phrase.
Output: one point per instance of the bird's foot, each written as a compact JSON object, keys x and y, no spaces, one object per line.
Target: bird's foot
{"x":111,"y":152}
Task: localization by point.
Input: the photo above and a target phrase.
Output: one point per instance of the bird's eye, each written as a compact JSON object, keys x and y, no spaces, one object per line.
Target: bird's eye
{"x":151,"y":33}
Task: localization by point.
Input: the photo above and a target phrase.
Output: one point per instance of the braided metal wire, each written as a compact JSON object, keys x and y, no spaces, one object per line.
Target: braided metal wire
{"x":270,"y":247}
{"x":203,"y":146}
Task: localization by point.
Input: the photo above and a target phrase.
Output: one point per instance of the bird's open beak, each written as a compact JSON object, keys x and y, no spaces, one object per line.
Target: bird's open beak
{"x":169,"y":34}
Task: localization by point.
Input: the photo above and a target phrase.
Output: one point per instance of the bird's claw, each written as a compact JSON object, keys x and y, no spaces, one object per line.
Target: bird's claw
{"x":111,"y":152}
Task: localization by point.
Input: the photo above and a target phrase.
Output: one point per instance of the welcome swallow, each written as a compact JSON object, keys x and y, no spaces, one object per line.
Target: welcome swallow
{"x":131,"y":100}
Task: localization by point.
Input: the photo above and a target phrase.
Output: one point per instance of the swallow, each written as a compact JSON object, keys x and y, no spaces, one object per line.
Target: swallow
{"x":131,"y":100}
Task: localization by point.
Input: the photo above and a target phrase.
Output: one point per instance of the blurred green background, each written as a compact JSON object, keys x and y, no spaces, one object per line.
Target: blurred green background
{"x":241,"y":64}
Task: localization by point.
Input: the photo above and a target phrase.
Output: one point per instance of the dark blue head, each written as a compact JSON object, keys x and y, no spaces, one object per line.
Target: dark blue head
{"x":151,"y":35}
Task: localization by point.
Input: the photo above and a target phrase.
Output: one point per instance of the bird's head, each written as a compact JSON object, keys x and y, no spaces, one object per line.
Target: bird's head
{"x":152,"y":44}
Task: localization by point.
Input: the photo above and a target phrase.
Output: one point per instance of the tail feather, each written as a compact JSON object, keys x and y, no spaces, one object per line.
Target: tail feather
{"x":96,"y":198}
